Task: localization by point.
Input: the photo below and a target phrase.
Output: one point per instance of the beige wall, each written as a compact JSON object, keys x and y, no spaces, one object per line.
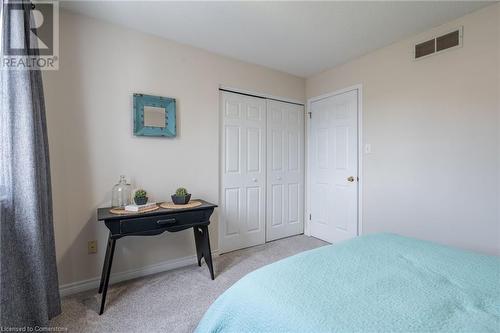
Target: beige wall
{"x":89,"y":111}
{"x":434,"y":129}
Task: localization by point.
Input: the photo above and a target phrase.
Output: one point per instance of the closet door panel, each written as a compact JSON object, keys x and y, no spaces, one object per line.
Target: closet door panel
{"x":285,"y":170}
{"x":243,"y":173}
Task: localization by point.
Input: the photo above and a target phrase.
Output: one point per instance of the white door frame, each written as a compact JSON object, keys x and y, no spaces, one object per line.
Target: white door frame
{"x":307,"y":211}
{"x":263,"y":95}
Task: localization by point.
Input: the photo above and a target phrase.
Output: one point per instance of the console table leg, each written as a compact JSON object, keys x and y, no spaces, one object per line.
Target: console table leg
{"x":198,"y":241}
{"x":207,"y":252}
{"x":107,"y":274}
{"x":202,"y":240}
{"x":105,"y":264}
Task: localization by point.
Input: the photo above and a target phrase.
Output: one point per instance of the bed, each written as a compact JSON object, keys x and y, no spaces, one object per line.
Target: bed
{"x":374,"y":283}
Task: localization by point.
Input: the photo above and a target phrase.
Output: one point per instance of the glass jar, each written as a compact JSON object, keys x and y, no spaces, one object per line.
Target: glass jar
{"x":120,"y":196}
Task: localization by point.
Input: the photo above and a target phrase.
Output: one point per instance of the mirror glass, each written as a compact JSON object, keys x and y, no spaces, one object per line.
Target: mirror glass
{"x":154,"y":116}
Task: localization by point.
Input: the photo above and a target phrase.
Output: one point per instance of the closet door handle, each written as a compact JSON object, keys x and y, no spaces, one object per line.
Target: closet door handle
{"x":279,"y":178}
{"x":254,"y":180}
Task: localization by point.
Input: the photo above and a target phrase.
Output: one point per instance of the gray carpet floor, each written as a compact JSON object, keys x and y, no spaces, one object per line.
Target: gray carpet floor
{"x":172,"y":301}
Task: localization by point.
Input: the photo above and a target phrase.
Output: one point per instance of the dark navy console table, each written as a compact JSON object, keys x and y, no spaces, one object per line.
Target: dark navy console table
{"x":155,"y":223}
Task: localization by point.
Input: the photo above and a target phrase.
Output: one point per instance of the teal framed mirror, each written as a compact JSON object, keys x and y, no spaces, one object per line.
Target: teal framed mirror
{"x":154,"y":116}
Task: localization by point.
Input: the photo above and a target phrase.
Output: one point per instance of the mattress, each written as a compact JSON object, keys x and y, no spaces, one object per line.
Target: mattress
{"x":374,"y":283}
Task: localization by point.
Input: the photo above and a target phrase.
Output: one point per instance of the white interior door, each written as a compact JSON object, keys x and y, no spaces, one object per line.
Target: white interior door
{"x":285,"y":170}
{"x":334,"y":167}
{"x":243,"y":171}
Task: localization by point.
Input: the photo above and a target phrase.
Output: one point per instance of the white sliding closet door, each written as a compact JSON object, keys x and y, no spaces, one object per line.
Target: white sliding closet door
{"x":285,"y":170}
{"x":243,"y":171}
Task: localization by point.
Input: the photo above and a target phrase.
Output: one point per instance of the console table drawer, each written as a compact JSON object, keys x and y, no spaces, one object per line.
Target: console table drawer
{"x":140,"y":224}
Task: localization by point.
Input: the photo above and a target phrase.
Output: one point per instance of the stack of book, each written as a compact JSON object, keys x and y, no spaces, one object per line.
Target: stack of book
{"x":140,"y":208}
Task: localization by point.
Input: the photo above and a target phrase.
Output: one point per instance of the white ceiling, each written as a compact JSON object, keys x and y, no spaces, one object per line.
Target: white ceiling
{"x":301,"y":38}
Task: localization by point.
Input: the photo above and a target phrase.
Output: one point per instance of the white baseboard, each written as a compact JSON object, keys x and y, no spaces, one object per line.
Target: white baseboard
{"x":84,"y":285}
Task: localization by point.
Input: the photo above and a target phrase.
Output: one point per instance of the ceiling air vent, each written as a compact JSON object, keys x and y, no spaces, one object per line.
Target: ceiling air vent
{"x":439,"y":44}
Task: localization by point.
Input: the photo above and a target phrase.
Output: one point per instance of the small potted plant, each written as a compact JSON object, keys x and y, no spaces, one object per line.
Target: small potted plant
{"x":181,"y":196}
{"x":140,"y":197}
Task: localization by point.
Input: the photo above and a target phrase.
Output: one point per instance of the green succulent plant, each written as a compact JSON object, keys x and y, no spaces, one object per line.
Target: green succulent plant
{"x":140,"y":194}
{"x":181,"y":192}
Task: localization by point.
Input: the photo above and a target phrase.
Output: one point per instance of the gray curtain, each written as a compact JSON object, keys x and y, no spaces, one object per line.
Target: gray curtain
{"x":28,"y":272}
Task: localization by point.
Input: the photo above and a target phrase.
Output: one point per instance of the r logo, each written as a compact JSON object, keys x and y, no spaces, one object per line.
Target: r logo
{"x":41,"y":28}
{"x":32,"y":35}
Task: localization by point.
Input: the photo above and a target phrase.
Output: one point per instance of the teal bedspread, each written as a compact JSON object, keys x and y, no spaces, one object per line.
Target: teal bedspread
{"x":375,"y":283}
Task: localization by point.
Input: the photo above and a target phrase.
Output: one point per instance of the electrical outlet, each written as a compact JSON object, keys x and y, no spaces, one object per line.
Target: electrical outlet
{"x":92,"y":246}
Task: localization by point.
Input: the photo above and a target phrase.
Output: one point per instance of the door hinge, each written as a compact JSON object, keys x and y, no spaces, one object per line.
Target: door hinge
{"x":310,"y":115}
{"x":309,"y":217}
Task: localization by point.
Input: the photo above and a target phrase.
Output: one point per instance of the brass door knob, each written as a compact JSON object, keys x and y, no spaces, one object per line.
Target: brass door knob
{"x":350,"y":179}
